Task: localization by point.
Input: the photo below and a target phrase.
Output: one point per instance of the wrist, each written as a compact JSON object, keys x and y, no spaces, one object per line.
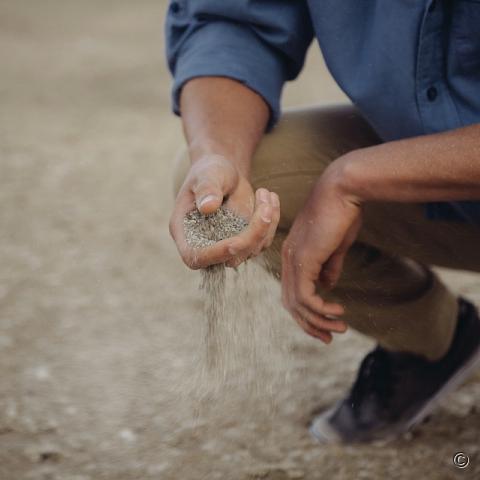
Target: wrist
{"x":341,"y":179}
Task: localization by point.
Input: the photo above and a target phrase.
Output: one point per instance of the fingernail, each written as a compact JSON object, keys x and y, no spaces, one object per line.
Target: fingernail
{"x":232,"y":250}
{"x":206,"y":199}
{"x":265,"y":214}
{"x":264,"y":196}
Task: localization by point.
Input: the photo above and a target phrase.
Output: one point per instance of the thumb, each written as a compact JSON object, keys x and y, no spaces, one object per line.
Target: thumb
{"x":208,"y":196}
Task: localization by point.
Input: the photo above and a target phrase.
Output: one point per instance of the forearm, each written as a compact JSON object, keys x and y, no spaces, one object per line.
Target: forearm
{"x":222,"y":117}
{"x":440,"y":167}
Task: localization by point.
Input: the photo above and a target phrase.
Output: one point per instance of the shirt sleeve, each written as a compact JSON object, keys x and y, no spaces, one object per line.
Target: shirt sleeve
{"x":261,"y":43}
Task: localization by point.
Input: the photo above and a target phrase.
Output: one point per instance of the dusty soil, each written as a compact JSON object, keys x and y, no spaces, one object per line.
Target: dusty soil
{"x":98,"y":317}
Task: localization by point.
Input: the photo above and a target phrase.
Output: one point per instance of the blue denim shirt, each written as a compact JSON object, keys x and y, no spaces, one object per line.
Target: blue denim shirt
{"x":412,"y":67}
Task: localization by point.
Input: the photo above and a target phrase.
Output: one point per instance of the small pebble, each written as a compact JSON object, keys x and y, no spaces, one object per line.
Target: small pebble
{"x":127,"y":435}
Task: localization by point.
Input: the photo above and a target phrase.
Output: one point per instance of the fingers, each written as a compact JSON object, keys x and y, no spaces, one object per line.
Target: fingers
{"x":305,"y":295}
{"x":333,"y":267}
{"x":322,"y":322}
{"x":258,"y":227}
{"x":299,"y":297}
{"x":324,"y":336}
{"x":275,"y":202}
{"x":260,"y":231}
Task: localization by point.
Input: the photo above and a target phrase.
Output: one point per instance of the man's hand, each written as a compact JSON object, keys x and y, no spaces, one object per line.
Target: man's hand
{"x":211,"y":181}
{"x":313,"y":253}
{"x":223,"y":121}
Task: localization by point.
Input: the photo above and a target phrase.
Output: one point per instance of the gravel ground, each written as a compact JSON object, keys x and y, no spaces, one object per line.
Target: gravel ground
{"x":98,"y":317}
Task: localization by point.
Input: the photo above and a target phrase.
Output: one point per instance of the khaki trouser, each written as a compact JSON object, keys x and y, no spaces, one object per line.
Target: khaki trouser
{"x":388,"y":290}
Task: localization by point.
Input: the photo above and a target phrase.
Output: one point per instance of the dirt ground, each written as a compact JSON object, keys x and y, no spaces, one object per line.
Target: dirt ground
{"x":98,"y":317}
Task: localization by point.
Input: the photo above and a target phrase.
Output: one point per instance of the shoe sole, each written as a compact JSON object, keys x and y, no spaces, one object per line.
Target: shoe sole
{"x":324,"y":433}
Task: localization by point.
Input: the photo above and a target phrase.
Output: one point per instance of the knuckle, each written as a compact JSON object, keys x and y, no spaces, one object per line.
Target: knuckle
{"x":193,"y":259}
{"x":234,"y":262}
{"x":190,"y":262}
{"x":200,"y":184}
{"x":194,"y":264}
{"x":261,"y":191}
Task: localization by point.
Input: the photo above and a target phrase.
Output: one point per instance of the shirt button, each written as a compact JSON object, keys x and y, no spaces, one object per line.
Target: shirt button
{"x":432,"y":93}
{"x":175,"y":7}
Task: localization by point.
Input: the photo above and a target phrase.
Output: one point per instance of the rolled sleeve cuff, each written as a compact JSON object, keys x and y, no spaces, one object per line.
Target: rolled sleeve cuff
{"x":226,"y":49}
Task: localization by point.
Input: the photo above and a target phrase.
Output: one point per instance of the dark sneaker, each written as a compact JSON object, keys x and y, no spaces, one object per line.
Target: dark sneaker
{"x":395,"y":391}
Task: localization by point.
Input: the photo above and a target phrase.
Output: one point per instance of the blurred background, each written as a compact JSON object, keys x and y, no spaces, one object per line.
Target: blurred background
{"x":96,"y":309}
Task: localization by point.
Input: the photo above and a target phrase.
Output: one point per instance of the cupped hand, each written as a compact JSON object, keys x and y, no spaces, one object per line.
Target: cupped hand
{"x":211,"y":182}
{"x":313,"y":254}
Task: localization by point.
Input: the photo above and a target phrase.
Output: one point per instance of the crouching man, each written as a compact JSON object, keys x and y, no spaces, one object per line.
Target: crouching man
{"x":372,"y":193}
